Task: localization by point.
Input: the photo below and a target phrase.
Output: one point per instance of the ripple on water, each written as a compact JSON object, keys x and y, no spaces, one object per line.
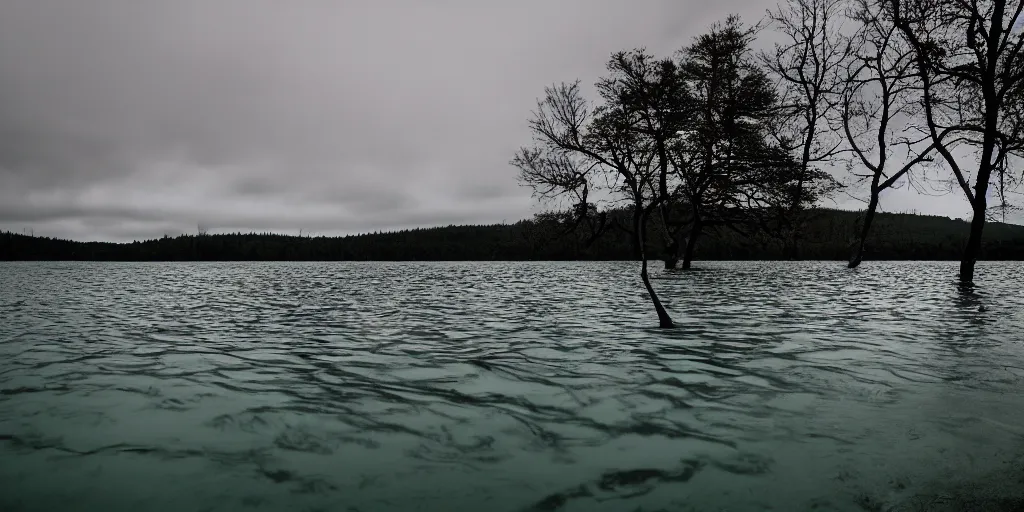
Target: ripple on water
{"x":509,"y":386}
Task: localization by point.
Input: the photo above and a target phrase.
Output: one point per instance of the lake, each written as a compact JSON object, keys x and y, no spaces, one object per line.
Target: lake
{"x":509,"y":387}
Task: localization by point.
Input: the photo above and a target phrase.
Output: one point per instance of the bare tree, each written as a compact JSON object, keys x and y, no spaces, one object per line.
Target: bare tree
{"x":879,"y":104}
{"x":808,"y":66}
{"x":968,"y":57}
{"x":621,"y":145}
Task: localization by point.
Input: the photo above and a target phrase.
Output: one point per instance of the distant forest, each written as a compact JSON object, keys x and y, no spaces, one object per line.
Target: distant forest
{"x":828,"y":236}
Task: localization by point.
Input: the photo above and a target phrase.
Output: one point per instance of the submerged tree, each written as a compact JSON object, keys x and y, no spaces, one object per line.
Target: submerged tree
{"x":688,"y":144}
{"x":879,"y":108}
{"x":969,"y":58}
{"x":722,"y":159}
{"x":620,"y":146}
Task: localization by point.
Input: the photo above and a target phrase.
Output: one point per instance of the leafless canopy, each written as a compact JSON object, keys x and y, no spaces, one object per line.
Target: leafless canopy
{"x":880,"y":102}
{"x":969,"y":58}
{"x":809,"y":66}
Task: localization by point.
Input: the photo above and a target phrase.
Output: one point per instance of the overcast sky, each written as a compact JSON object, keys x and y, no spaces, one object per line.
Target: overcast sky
{"x":129,"y":119}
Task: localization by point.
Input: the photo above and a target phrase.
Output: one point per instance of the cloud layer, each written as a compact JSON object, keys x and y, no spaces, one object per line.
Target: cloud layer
{"x":124,"y":119}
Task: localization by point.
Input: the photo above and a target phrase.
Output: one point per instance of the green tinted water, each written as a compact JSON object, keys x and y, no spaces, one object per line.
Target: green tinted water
{"x":509,"y":387}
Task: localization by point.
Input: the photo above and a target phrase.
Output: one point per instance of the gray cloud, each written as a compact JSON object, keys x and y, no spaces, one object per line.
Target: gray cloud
{"x":124,"y":119}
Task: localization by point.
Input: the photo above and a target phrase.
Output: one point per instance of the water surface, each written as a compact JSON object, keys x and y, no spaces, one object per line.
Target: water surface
{"x":509,"y":387}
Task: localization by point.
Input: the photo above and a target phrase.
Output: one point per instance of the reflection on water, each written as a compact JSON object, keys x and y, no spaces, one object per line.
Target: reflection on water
{"x":509,"y":387}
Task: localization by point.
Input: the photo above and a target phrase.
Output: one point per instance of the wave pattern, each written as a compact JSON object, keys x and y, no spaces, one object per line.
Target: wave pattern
{"x":509,"y":386}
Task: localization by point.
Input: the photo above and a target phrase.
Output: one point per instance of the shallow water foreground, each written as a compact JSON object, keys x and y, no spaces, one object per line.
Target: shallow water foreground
{"x":509,"y":387}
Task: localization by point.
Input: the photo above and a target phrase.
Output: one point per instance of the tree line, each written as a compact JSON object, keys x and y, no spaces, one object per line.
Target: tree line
{"x":858,"y":97}
{"x":546,"y":237}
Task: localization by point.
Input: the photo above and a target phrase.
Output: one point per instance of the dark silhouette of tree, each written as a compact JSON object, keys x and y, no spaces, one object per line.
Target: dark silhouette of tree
{"x":724,"y":164}
{"x":968,"y":58}
{"x":690,"y":144}
{"x":879,"y":104}
{"x":620,"y":146}
{"x":807,"y":65}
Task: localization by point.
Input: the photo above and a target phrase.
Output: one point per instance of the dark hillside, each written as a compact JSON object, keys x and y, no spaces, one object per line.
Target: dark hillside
{"x":895,"y":237}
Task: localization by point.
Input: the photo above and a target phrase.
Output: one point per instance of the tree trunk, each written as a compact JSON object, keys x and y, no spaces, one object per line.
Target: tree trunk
{"x":691,"y":243}
{"x":973,"y":246}
{"x":869,"y":215}
{"x":640,"y":239}
{"x":664,"y":321}
{"x":980,"y":201}
{"x":671,"y":239}
{"x":672,"y":255}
